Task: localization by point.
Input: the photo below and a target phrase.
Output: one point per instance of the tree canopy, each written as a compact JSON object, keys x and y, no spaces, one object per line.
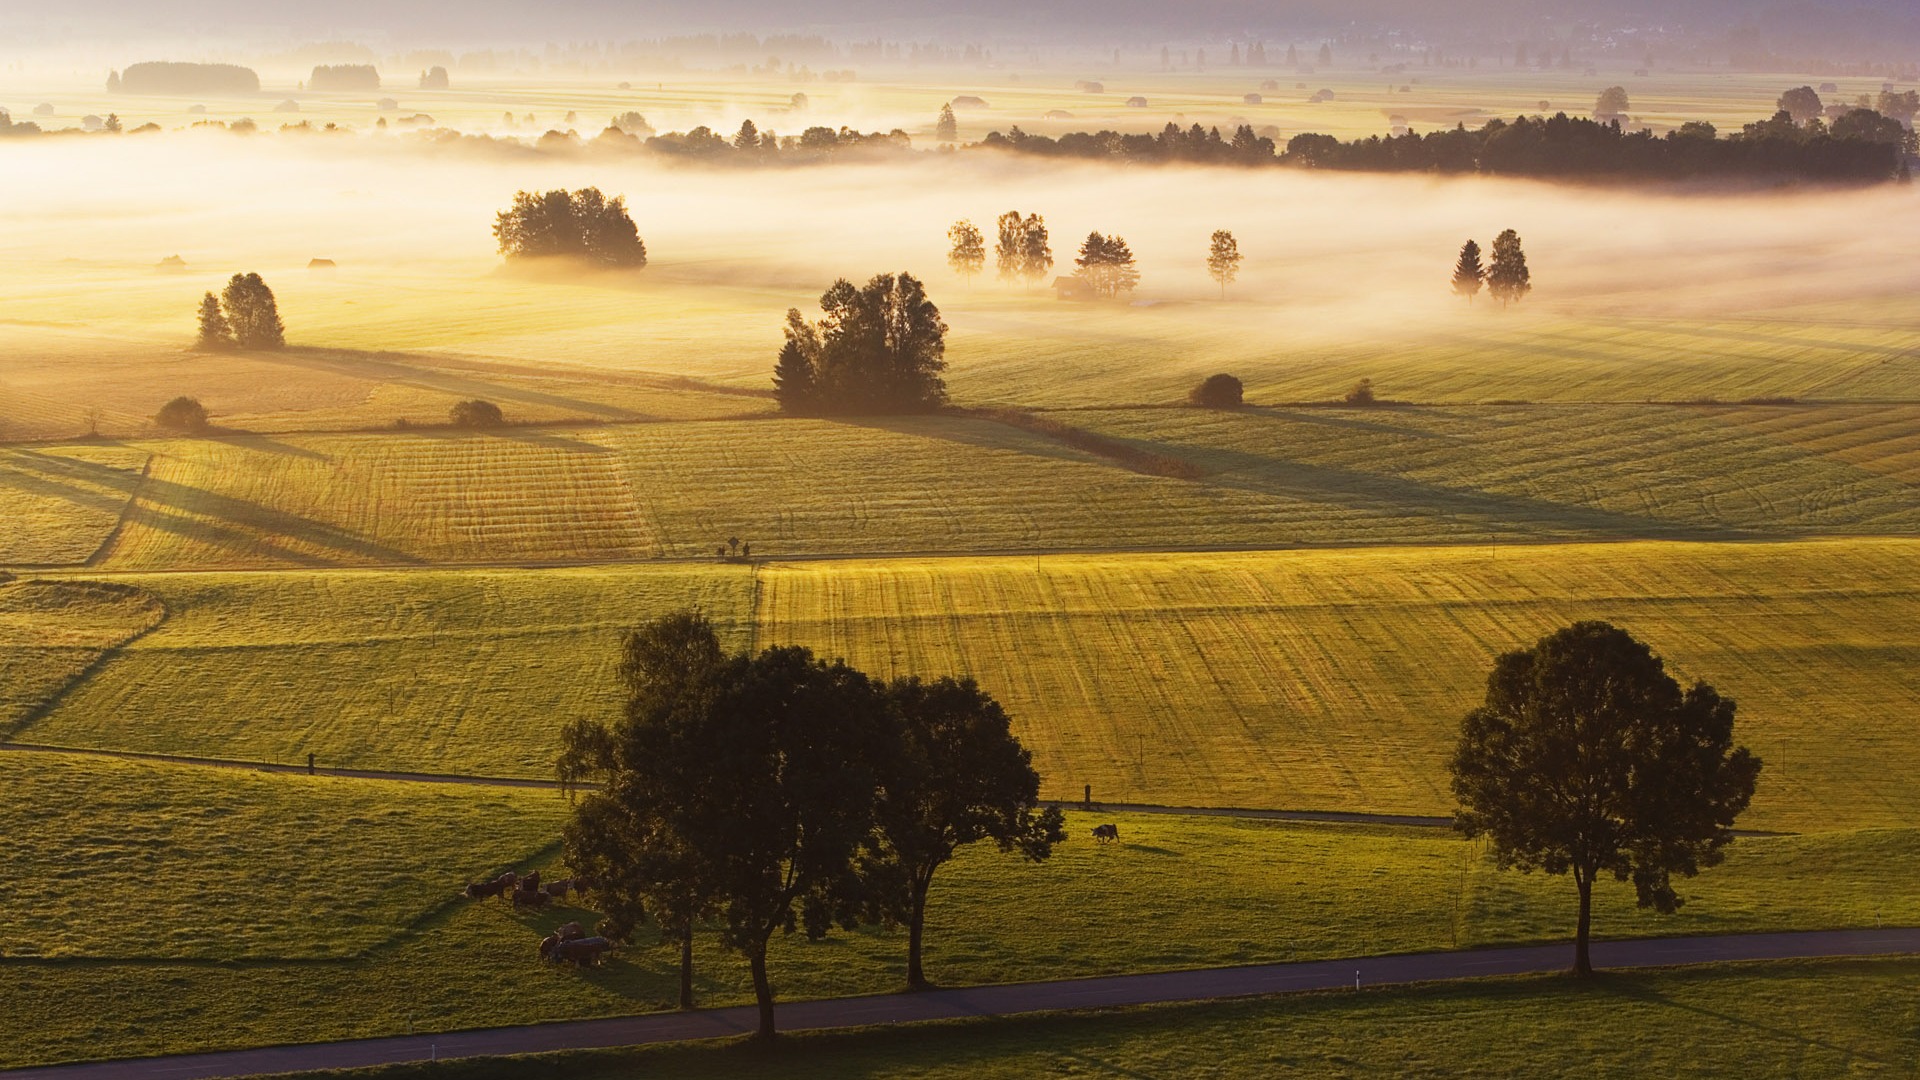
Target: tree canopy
{"x":582,"y":225}
{"x":1106,"y":265}
{"x":1508,"y":279}
{"x":215,"y":331}
{"x":1223,"y":259}
{"x":183,"y":414}
{"x":251,"y":313}
{"x":879,"y":348}
{"x":1217,"y":392}
{"x":1587,"y":758}
{"x":1021,"y":252}
{"x":476,"y":414}
{"x":968,"y":254}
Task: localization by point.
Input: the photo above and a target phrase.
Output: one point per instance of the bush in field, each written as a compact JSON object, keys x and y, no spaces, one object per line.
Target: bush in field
{"x":581,"y":225}
{"x":476,"y":414}
{"x":880,"y":349}
{"x":1217,"y":392}
{"x":182,"y":414}
{"x":1361,"y":394}
{"x":252,"y":313}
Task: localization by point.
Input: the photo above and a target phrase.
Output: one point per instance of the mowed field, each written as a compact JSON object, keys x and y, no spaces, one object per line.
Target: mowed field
{"x":166,"y":907}
{"x":1262,"y":477}
{"x":1328,"y":679}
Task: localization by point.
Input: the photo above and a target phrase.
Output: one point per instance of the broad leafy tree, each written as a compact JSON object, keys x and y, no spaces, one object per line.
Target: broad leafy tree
{"x":1508,"y":278}
{"x":638,"y":839}
{"x":1468,"y":274}
{"x":1022,"y":252}
{"x":879,"y":348}
{"x":1588,"y":758}
{"x":582,"y":225}
{"x":183,"y":414}
{"x":215,"y":331}
{"x":1802,"y":103}
{"x":1223,"y":260}
{"x":1612,"y":103}
{"x":968,"y":253}
{"x":1106,"y":265}
{"x":476,"y":414}
{"x":252,"y":313}
{"x":953,"y":775}
{"x":1217,"y":392}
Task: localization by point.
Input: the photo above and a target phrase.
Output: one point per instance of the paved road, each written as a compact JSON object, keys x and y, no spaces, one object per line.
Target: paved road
{"x":1166,"y":987}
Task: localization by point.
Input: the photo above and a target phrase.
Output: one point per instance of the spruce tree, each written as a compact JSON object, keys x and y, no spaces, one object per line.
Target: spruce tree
{"x":794,"y":385}
{"x":947,"y":128}
{"x":1468,"y":274}
{"x":215,"y":331}
{"x":1223,"y":260}
{"x":1508,"y":278}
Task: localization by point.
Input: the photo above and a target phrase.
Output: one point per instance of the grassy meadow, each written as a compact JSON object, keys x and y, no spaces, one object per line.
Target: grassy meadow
{"x":1838,"y":1018}
{"x":53,"y":632}
{"x":1314,"y":679}
{"x":172,"y":908}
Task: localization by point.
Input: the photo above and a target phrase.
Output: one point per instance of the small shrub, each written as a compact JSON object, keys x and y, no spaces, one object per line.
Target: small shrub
{"x":182,"y":414}
{"x":477,"y":414}
{"x":1217,"y":392}
{"x":1361,"y":394}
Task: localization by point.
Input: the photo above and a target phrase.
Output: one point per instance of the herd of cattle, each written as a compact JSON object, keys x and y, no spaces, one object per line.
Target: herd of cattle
{"x":570,"y":943}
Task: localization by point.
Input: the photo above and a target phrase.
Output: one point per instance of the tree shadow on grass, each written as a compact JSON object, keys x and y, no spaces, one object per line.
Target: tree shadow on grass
{"x":1636,"y":988}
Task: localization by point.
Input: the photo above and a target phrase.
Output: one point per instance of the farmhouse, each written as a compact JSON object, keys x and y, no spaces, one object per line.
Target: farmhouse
{"x":1072,"y":288}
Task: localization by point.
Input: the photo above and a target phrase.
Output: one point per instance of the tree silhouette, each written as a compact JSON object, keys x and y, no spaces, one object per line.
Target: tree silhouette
{"x":1468,"y":274}
{"x":880,"y":348}
{"x":1802,"y":103}
{"x":953,"y":774}
{"x":747,"y":138}
{"x":1217,"y":392}
{"x":1022,"y":252}
{"x":582,"y":225}
{"x":1223,"y":260}
{"x":1361,"y":394}
{"x":182,"y":414}
{"x":1611,"y":103}
{"x":215,"y":331}
{"x":947,"y":128}
{"x":476,"y":414}
{"x":1106,"y":265}
{"x":1588,"y":758}
{"x":968,"y":255}
{"x":252,"y":313}
{"x":1508,"y":278}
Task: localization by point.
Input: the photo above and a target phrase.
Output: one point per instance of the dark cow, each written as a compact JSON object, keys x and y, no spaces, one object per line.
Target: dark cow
{"x":572,"y":931}
{"x":580,"y":952}
{"x":500,"y":886}
{"x":529,"y":895}
{"x":559,"y":889}
{"x":1106,"y":834}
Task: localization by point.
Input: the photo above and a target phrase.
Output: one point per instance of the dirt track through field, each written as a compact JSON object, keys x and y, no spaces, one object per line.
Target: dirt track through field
{"x":962,"y":1003}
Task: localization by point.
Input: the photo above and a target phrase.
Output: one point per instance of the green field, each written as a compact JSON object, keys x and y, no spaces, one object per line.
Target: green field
{"x":1329,"y":680}
{"x":1271,"y":477}
{"x":171,"y":907}
{"x":52,"y":632}
{"x":1799,"y":1020}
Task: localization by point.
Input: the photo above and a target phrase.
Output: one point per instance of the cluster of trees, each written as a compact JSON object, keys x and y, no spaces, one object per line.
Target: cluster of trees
{"x":1022,"y":252}
{"x":1195,"y":144}
{"x":760,"y":794}
{"x":582,"y":225}
{"x":164,"y":77}
{"x":748,"y":145}
{"x":1106,"y":265}
{"x":1507,"y":279}
{"x":344,"y":77}
{"x":1861,"y":144}
{"x":435,"y":78}
{"x":879,"y":348}
{"x":245,"y":314}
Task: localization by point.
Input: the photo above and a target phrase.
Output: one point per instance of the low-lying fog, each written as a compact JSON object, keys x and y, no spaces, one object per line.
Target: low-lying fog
{"x":1343,"y":255}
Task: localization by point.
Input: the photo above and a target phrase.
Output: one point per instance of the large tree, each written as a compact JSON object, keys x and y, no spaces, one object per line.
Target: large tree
{"x":1588,"y":758}
{"x":1802,"y":103}
{"x":1612,"y":104}
{"x":1106,"y":265}
{"x":584,"y":226}
{"x":1468,"y":274}
{"x":879,"y":348}
{"x":1223,"y":259}
{"x":252,"y":312}
{"x":1022,"y":252}
{"x":215,"y":331}
{"x":968,"y":254}
{"x":638,"y":839}
{"x":953,"y":775}
{"x":1508,"y":278}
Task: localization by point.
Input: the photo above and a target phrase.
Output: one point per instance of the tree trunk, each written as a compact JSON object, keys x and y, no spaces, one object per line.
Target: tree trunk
{"x":762,"y":991}
{"x":916,"y":923}
{"x":686,"y":966}
{"x":1582,"y":962}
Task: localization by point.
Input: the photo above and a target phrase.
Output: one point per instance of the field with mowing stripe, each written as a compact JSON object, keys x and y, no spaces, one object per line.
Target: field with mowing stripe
{"x":1269,"y":477}
{"x":216,"y":907}
{"x":62,"y":503}
{"x":1330,"y":679}
{"x":52,"y":631}
{"x":1805,"y":1020}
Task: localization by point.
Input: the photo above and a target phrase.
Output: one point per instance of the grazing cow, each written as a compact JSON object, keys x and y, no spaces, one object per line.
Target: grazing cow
{"x":582,"y":952}
{"x":500,"y":886}
{"x":528,"y":895}
{"x":559,"y":889}
{"x":572,"y":931}
{"x":1106,"y":834}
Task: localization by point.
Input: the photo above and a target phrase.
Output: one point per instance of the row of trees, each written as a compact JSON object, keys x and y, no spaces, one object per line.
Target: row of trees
{"x":1861,"y":144}
{"x":878,"y":348}
{"x":584,"y":226}
{"x":760,"y":794}
{"x":1506,"y":280}
{"x":244,"y":315}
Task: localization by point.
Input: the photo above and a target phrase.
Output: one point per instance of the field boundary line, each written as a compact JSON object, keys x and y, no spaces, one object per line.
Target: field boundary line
{"x":52,"y":701}
{"x":105,"y":550}
{"x":1006,"y":999}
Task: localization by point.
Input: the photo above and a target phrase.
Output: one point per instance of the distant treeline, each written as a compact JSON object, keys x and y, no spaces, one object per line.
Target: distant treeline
{"x":1858,"y":145}
{"x":164,"y":77}
{"x":344,"y":77}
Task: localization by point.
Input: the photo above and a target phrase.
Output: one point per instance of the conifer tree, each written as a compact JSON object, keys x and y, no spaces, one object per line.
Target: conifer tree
{"x":1508,"y":278}
{"x":793,"y":373}
{"x":1468,"y":274}
{"x":1106,"y":265}
{"x":215,"y":332}
{"x":1223,"y":260}
{"x":747,"y":138}
{"x":947,"y":128}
